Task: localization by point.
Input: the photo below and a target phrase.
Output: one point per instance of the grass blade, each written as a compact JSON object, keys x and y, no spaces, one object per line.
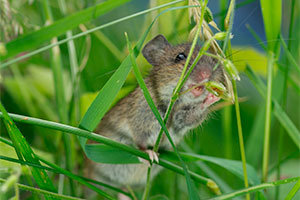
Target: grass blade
{"x":293,"y":191}
{"x":98,"y":138}
{"x":59,"y":85}
{"x":44,"y":192}
{"x":23,"y":150}
{"x":228,"y":24}
{"x":233,"y":166}
{"x":256,"y":188}
{"x":58,"y":170}
{"x":266,"y":151}
{"x":106,"y":154}
{"x":289,"y":56}
{"x":83,"y":34}
{"x":271,"y":11}
{"x":35,"y":39}
{"x":278,"y":112}
{"x":208,"y":171}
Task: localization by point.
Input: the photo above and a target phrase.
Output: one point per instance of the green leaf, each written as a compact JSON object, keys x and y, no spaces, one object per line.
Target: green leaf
{"x":23,"y":150}
{"x":101,"y":139}
{"x":105,"y":97}
{"x":290,"y":56}
{"x":271,"y":11}
{"x":278,"y":112}
{"x":233,"y":166}
{"x":110,"y":155}
{"x":293,"y":191}
{"x":255,"y":188}
{"x":36,"y":38}
{"x":47,"y":194}
{"x":29,"y":54}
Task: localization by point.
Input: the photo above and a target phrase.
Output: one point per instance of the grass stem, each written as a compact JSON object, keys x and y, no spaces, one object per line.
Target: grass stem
{"x":241,"y":140}
{"x":61,"y":104}
{"x":148,"y":184}
{"x":182,"y":78}
{"x":266,"y":150}
{"x":284,"y":98}
{"x":101,"y":139}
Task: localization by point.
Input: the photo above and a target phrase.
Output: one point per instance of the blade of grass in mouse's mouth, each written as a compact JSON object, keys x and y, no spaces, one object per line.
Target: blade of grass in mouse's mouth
{"x":197,"y":89}
{"x":218,"y":89}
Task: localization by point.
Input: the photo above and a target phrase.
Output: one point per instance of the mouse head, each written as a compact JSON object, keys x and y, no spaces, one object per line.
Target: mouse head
{"x":168,"y":62}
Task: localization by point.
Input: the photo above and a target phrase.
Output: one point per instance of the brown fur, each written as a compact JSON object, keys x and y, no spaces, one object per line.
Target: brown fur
{"x":132,"y":122}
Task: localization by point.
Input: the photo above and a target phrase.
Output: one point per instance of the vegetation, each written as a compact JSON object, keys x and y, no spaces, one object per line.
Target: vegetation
{"x":64,"y":64}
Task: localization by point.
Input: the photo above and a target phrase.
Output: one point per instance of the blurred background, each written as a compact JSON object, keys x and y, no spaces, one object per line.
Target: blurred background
{"x":27,"y":87}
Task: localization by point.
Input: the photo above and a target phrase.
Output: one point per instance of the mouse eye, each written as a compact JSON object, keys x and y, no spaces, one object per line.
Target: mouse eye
{"x":180,"y":57}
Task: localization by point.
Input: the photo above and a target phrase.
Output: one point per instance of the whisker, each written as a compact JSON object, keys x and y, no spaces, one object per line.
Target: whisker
{"x":241,"y":60}
{"x":258,"y":43}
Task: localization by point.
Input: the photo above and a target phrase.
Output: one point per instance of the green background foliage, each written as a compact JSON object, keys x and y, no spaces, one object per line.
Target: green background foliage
{"x":60,"y":83}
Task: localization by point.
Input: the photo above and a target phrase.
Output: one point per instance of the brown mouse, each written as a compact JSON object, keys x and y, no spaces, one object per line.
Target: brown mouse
{"x":132,"y":122}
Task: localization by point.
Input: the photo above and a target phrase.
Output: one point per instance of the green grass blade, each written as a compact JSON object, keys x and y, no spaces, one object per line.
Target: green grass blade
{"x":84,"y":33}
{"x":233,"y":166}
{"x":203,"y":167}
{"x":228,"y":24}
{"x":267,"y":132}
{"x":59,"y":85}
{"x":256,"y":188}
{"x":104,"y":99}
{"x":74,"y":68}
{"x":98,"y":138}
{"x":271,"y":11}
{"x":59,"y":170}
{"x":106,"y":154}
{"x":44,"y":192}
{"x":23,"y":150}
{"x":278,"y":112}
{"x":72,"y":176}
{"x":289,"y":56}
{"x":293,"y":191}
{"x":254,"y":34}
{"x":35,"y":39}
{"x":281,"y":67}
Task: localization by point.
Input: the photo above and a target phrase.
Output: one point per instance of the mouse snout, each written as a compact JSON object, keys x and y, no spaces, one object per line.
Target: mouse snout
{"x":202,"y":74}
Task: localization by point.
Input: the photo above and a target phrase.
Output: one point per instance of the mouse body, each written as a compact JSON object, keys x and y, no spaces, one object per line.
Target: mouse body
{"x":132,"y":122}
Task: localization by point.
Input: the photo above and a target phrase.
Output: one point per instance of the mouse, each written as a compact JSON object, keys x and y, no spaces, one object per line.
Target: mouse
{"x":132,"y":122}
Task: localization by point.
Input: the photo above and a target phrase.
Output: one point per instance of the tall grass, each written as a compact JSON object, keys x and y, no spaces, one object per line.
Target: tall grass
{"x":66,"y":94}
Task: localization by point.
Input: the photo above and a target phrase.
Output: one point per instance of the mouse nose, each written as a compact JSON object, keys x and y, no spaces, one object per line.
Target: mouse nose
{"x":205,"y":73}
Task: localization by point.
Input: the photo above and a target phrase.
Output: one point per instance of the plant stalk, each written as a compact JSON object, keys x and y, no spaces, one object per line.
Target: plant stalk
{"x":271,"y":61}
{"x":101,"y":139}
{"x":284,"y":98}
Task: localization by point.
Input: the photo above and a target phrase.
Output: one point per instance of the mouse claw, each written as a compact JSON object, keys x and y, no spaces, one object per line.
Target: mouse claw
{"x":152,"y":155}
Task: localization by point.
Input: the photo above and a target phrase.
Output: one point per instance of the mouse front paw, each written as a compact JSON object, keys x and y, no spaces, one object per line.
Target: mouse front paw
{"x":152,"y":155}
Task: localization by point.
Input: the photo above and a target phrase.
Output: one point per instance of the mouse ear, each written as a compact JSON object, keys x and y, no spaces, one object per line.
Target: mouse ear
{"x":155,"y":49}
